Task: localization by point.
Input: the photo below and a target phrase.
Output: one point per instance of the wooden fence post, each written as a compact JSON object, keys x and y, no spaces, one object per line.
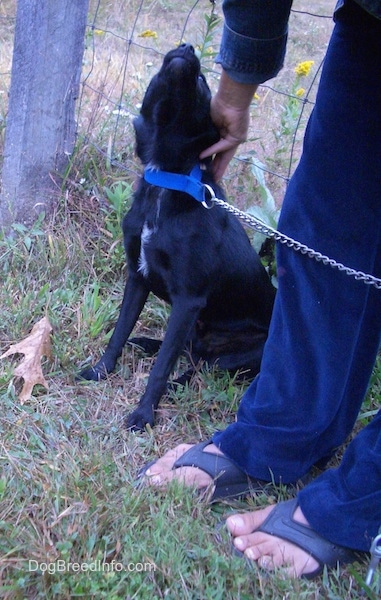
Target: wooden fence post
{"x":40,"y":126}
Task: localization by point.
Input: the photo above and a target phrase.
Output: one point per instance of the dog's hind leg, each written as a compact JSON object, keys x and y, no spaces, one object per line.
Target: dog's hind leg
{"x":135,"y":295}
{"x":149,"y":345}
{"x":181,"y":322}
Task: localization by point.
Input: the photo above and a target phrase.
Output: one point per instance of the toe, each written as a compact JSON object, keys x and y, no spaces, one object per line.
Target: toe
{"x":161,"y":472}
{"x":269,"y":551}
{"x":167,"y":461}
{"x":242,"y":524}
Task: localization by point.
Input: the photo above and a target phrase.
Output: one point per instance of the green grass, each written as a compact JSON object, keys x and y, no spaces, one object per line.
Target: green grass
{"x":67,"y":465}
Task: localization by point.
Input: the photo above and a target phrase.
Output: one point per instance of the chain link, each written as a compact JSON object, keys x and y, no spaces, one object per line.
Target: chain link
{"x":269,"y":232}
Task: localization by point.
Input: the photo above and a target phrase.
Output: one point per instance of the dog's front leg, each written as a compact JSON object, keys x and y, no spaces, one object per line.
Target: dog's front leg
{"x":180,"y":324}
{"x":135,"y":295}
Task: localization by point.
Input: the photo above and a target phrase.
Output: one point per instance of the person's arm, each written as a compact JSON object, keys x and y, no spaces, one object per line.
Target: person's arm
{"x":230,"y":112}
{"x":252,"y":51}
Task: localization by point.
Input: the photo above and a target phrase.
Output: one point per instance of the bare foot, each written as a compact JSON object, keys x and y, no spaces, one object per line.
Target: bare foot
{"x":161,"y":473}
{"x":269,"y":551}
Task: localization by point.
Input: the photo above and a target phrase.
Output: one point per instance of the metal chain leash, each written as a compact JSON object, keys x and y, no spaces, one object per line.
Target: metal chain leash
{"x":261,"y":227}
{"x":375,"y":557}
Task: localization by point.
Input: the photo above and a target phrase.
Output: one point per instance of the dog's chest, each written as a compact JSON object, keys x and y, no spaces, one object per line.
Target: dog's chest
{"x":145,"y":238}
{"x":163,"y":238}
{"x":150,"y":229}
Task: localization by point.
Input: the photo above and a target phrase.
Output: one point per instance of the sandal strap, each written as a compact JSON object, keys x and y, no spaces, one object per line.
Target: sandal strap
{"x":215,"y":465}
{"x":280,"y":523}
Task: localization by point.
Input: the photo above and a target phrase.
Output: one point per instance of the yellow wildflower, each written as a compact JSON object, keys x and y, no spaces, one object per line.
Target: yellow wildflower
{"x":303,"y":68}
{"x":203,"y":50}
{"x":148,"y":33}
{"x":300,"y":92}
{"x":256,"y":97}
{"x":99,"y":32}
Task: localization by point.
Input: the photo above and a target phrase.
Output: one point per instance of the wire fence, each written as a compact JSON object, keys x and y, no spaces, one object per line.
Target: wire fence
{"x":130,"y":46}
{"x":125,"y":43}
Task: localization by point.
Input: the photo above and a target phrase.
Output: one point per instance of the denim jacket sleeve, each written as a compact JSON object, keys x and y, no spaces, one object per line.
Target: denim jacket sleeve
{"x":254,"y":39}
{"x":371,"y":6}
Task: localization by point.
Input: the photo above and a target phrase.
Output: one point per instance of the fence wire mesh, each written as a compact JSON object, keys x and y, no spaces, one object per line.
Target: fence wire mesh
{"x":124,"y":46}
{"x":129,"y":44}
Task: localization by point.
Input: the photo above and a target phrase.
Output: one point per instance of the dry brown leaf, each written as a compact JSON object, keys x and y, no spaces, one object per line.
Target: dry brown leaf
{"x":34,"y":346}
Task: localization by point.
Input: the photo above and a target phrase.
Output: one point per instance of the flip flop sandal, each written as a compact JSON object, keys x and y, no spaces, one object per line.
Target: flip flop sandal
{"x":280,"y":523}
{"x":229,"y":480}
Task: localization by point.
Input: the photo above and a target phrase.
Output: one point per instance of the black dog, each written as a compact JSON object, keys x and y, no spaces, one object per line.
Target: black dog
{"x":200,"y":261}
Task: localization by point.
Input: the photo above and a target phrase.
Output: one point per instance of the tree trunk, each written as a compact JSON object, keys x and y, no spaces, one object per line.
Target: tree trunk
{"x":40,"y":127}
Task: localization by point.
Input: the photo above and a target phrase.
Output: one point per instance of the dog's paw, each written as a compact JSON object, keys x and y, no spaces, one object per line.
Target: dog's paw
{"x":139,"y":419}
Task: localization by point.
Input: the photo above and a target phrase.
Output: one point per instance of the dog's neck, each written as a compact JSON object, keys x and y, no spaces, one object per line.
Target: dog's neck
{"x":189,"y":184}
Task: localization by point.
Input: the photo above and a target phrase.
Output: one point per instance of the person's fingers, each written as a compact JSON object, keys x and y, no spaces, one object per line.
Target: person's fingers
{"x":223,"y":152}
{"x":223,"y":145}
{"x":220,"y":164}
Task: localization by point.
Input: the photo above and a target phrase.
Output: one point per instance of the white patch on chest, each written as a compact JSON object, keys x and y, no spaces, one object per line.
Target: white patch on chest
{"x":144,"y":239}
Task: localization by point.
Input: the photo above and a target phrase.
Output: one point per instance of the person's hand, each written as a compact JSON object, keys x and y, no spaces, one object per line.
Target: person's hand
{"x":230,"y":112}
{"x":233,"y":125}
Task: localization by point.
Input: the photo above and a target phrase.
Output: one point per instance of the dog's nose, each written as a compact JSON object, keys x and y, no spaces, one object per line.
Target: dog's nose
{"x":187,"y":48}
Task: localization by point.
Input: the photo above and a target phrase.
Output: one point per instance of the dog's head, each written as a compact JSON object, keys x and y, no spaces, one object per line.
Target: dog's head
{"x":174,"y":124}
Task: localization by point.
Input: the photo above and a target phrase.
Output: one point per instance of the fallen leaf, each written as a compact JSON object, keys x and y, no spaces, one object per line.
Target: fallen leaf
{"x":34,"y":346}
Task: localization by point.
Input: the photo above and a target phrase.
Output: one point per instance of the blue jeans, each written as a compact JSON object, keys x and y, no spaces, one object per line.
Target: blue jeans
{"x":326,"y":326}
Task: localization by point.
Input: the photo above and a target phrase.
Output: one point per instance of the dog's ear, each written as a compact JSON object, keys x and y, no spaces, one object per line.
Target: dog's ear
{"x":144,"y":134}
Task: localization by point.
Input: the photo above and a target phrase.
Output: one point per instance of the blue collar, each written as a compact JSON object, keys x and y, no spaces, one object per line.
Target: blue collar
{"x":190,"y":184}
